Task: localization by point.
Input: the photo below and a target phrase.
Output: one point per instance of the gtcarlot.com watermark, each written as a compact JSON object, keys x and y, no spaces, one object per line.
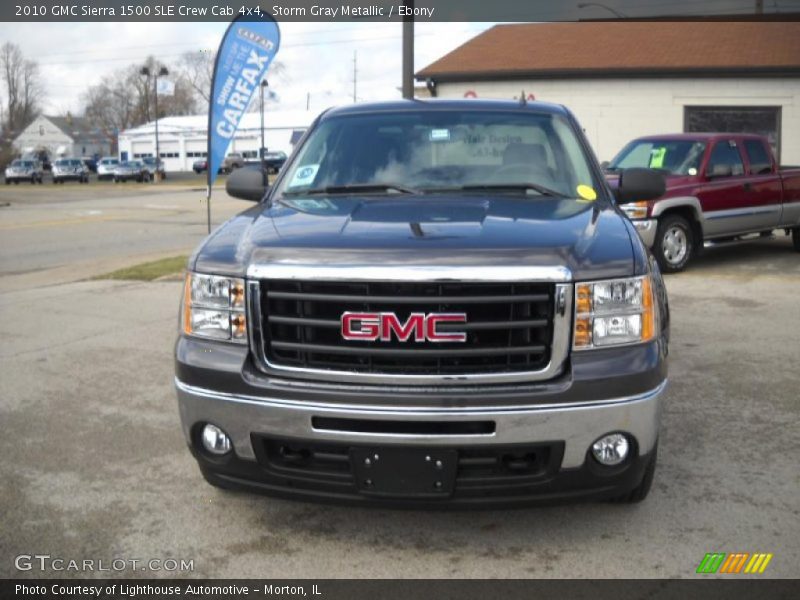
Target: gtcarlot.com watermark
{"x":46,"y":562}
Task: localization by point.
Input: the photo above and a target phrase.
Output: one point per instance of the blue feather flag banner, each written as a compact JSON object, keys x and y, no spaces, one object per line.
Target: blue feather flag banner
{"x":246,"y":51}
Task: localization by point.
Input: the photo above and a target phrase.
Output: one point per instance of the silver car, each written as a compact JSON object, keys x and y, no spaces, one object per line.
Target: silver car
{"x":106,"y":166}
{"x":131,"y":169}
{"x":24,"y":169}
{"x":70,"y":169}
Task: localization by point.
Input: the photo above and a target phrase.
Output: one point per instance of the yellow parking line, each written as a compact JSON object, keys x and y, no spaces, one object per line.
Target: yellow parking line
{"x":74,"y":221}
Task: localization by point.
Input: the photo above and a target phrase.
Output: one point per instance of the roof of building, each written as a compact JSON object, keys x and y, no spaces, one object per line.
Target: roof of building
{"x":599,"y":48}
{"x":78,"y":128}
{"x":198,"y":124}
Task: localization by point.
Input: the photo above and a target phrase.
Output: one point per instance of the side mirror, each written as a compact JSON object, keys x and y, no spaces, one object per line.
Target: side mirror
{"x":640,"y":184}
{"x":720,"y":171}
{"x":247,"y":184}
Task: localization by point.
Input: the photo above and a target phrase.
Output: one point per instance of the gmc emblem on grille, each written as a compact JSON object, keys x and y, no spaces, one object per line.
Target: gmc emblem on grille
{"x":424,"y":327}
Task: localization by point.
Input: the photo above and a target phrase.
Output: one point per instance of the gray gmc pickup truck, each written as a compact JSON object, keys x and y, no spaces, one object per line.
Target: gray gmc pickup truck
{"x":435,"y":304}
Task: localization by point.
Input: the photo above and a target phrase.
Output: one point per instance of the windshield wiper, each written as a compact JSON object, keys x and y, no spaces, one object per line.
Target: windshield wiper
{"x":357,"y":188}
{"x":524,"y":187}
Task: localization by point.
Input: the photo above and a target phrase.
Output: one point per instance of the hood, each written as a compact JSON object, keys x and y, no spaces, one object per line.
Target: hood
{"x":589,"y":238}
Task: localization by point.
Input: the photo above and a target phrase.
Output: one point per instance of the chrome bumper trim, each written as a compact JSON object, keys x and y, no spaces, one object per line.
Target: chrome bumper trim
{"x":577,"y":424}
{"x":647,"y":230}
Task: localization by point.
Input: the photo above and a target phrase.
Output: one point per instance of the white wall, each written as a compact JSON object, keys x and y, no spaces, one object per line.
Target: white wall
{"x":614,"y":111}
{"x":41,"y":133}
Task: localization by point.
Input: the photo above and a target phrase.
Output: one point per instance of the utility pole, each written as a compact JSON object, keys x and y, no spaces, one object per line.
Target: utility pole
{"x":162,"y":72}
{"x":355,"y":74}
{"x":261,"y":152}
{"x":408,"y":50}
{"x":308,"y":100}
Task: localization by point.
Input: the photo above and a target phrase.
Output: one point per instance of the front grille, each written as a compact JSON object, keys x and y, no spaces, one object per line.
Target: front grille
{"x":509,"y":326}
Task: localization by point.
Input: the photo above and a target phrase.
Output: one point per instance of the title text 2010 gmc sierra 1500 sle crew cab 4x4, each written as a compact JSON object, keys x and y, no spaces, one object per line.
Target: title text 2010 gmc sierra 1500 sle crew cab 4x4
{"x":436,"y":303}
{"x":720,"y":186}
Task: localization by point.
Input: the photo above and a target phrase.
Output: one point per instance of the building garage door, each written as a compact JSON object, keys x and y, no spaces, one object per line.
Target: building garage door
{"x":763,"y":120}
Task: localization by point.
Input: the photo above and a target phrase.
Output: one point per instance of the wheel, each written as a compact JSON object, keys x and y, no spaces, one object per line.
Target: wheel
{"x":16,"y":182}
{"x":674,"y":244}
{"x":33,"y":179}
{"x":796,"y":238}
{"x":116,"y":180}
{"x":8,"y":182}
{"x":641,"y":491}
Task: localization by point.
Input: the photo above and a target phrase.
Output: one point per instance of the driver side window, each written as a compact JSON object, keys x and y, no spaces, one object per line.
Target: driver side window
{"x":725,"y":160}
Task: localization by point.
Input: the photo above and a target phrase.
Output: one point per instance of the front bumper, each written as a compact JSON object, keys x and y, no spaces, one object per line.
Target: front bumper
{"x":647,"y":230}
{"x":560,"y":433}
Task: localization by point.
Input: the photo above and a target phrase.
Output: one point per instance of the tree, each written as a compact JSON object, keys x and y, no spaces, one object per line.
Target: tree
{"x":23,"y":88}
{"x":198,"y":70}
{"x":126,"y":97}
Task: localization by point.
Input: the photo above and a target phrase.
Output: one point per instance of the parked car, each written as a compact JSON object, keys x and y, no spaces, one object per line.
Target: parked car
{"x":90,"y":163}
{"x":484,"y":327}
{"x":129,"y":170}
{"x":721,"y":187}
{"x":274,"y":161}
{"x":106,"y":167}
{"x":200,"y":166}
{"x":234,"y":160}
{"x":150,"y":164}
{"x":24,"y":169}
{"x":70,"y":169}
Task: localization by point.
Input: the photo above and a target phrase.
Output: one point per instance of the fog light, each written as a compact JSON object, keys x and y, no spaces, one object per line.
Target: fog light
{"x":215,"y":440}
{"x":611,"y":449}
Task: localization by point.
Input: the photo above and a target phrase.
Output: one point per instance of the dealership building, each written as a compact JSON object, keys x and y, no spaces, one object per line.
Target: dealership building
{"x":629,"y":79}
{"x":183,"y":140}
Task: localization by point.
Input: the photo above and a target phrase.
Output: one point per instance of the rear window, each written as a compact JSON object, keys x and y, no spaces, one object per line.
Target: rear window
{"x":759,"y":157}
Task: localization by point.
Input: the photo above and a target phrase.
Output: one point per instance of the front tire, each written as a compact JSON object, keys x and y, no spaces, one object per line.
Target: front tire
{"x":796,"y":238}
{"x":675,"y":243}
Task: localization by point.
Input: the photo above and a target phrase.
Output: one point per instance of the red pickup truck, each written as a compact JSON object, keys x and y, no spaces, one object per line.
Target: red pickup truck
{"x":720,"y":187}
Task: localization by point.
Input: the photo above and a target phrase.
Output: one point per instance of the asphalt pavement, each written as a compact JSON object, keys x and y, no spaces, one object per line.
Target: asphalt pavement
{"x":95,"y":466}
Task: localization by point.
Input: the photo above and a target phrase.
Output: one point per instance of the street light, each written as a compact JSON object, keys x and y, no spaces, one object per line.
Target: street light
{"x":613,"y":11}
{"x":162,"y":72}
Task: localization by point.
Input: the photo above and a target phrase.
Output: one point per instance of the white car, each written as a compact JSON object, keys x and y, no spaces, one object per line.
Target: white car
{"x":106,"y":167}
{"x":65,"y":169}
{"x":24,"y":169}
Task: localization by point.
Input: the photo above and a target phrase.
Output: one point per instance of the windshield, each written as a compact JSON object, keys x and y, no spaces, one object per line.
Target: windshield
{"x":676,"y":157}
{"x":439,"y":151}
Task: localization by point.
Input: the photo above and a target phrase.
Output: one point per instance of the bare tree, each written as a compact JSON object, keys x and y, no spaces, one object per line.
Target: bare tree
{"x":23,"y":87}
{"x":125,"y":98}
{"x":198,"y":69}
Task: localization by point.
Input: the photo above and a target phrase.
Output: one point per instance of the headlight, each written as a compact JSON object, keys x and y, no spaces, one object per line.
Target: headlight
{"x":213,"y":307}
{"x":612,"y":312}
{"x":635,"y":210}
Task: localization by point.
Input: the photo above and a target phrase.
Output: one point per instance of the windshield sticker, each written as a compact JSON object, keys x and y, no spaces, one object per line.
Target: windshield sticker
{"x":440,"y":135}
{"x":586,"y":192}
{"x":657,"y":157}
{"x":304,"y":175}
{"x":312,"y":205}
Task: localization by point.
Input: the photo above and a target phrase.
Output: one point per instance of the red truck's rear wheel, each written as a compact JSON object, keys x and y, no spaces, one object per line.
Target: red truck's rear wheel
{"x":674,"y":244}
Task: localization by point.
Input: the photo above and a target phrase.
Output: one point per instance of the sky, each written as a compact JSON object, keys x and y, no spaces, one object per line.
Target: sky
{"x":318,"y":57}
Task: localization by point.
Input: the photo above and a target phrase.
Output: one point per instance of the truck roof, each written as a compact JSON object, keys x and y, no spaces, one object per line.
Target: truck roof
{"x":705,"y":137}
{"x":446,"y":104}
